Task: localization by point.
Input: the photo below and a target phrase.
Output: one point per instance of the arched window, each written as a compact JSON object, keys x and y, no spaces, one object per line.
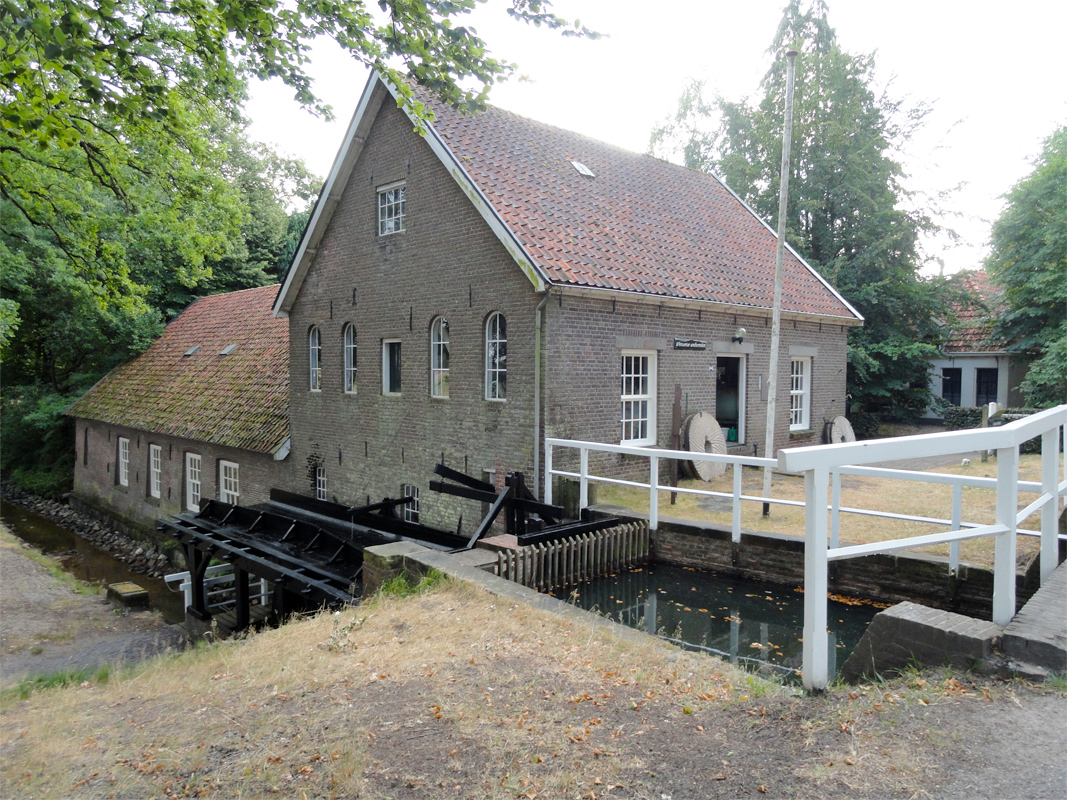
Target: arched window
{"x":439,"y":358}
{"x":314,"y":359}
{"x":496,"y":357}
{"x":350,"y":359}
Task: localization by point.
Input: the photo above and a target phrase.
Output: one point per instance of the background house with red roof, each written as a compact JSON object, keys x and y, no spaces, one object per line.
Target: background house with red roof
{"x":975,"y":368}
{"x":203,"y":413}
{"x":459,"y":295}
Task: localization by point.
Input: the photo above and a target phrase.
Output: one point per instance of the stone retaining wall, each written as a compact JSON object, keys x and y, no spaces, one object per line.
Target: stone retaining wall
{"x":141,"y":556}
{"x":886,"y":577}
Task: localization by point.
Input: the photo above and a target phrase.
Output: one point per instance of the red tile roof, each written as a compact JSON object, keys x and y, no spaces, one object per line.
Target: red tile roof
{"x":972,"y":331}
{"x":238,"y":400}
{"x":640,"y":225}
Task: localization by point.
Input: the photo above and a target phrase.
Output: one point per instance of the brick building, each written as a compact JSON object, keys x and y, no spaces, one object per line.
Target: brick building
{"x":203,"y":413}
{"x":460,"y":295}
{"x":974,"y":367}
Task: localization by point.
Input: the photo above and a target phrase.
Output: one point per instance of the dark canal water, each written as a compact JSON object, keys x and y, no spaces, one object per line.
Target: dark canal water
{"x":86,"y":561}
{"x":755,"y":625}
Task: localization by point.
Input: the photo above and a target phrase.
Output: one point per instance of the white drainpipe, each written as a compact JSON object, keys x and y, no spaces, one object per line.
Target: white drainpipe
{"x":537,"y":397}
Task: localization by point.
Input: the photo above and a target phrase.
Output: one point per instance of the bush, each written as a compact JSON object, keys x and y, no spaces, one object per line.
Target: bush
{"x":864,"y":424}
{"x":958,"y":418}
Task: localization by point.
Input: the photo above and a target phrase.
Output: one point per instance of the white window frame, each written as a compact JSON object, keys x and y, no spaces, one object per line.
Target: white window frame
{"x":155,"y":471}
{"x":410,"y":511}
{"x":392,"y":208}
{"x":123,"y":461}
{"x":229,"y":482}
{"x":350,"y":358}
{"x":315,"y":359}
{"x":320,"y":482}
{"x":638,"y":397}
{"x":193,"y":466}
{"x":496,"y":355}
{"x":387,"y":373}
{"x":799,"y":393}
{"x":439,"y":358}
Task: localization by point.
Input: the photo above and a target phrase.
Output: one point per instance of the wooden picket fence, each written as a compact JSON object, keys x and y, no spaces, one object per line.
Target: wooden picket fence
{"x":548,"y":565}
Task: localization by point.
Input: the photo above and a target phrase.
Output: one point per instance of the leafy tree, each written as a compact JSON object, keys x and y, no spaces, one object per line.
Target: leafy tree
{"x":1029,"y":262}
{"x":87,"y":79}
{"x":77,"y":304}
{"x":847,"y":210}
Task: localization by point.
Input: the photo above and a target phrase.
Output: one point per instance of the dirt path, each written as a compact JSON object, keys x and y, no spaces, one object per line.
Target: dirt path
{"x":47,"y":626}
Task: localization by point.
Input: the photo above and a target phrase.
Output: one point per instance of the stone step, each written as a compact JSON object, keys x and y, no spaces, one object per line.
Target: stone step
{"x":1038,"y":634}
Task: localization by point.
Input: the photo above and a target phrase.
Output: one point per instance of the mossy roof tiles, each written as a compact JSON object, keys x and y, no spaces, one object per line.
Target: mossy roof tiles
{"x":640,"y":225}
{"x":973,"y":331}
{"x":236,"y":400}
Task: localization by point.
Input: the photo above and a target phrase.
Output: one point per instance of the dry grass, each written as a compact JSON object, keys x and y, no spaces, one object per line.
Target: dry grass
{"x":284,"y":714}
{"x":878,"y":494}
{"x":458,"y":694}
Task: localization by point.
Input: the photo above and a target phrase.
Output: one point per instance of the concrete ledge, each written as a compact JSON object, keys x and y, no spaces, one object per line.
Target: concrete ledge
{"x":383,"y":562}
{"x":128,"y":595}
{"x":911,"y":635}
{"x":419,"y":560}
{"x":1038,"y":634}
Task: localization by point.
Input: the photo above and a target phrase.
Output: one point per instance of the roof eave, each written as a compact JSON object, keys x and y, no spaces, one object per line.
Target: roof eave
{"x":374,"y":93}
{"x":789,"y":247}
{"x":704,"y":305}
{"x":366,"y":110}
{"x":479,"y":200}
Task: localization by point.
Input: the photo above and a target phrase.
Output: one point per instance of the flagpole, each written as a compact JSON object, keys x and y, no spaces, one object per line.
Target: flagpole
{"x":779,"y":258}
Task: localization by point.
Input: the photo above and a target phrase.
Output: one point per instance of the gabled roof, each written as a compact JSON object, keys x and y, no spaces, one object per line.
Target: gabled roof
{"x":638,"y":225}
{"x":182,"y":386}
{"x":973,"y":330}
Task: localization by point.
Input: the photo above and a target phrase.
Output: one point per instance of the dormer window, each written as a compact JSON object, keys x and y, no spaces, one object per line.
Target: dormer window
{"x":392,"y":208}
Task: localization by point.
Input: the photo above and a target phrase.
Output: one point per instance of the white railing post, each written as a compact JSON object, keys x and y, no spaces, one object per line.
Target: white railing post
{"x":816,"y":675}
{"x":548,"y":474}
{"x":653,"y":493}
{"x":835,"y":508}
{"x":735,"y":528}
{"x":1050,"y":446}
{"x":1004,"y":543}
{"x":957,"y":521}
{"x":583,"y":478}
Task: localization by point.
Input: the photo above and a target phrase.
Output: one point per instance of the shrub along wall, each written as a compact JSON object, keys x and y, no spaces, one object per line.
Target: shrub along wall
{"x":963,"y":418}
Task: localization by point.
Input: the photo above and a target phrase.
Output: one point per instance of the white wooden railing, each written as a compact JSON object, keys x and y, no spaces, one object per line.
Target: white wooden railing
{"x":654,"y":455}
{"x":819,"y":463}
{"x":823,"y":466}
{"x":218,"y":586}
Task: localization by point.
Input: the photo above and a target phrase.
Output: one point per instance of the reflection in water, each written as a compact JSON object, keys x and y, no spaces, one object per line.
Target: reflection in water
{"x":756,"y":625}
{"x":87,"y":562}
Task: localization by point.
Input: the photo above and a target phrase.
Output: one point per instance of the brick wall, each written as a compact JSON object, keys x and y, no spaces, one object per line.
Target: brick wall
{"x":96,"y":484}
{"x":446,"y":262}
{"x":585,"y":338}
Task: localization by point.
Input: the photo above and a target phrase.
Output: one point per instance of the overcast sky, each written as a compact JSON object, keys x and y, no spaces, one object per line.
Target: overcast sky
{"x":995,"y":74}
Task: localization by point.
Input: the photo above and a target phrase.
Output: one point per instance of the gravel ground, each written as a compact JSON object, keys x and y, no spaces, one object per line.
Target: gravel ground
{"x":45,"y":626}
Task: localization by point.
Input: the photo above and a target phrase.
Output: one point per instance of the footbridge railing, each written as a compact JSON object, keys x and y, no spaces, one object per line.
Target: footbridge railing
{"x":820,"y":463}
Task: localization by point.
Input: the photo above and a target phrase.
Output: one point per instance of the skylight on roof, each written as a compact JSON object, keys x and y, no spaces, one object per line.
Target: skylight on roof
{"x":192,"y":349}
{"x":583,"y":169}
{"x":227,"y":349}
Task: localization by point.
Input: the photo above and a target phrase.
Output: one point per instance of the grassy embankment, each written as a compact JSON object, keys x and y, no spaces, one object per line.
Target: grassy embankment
{"x":451,"y":692}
